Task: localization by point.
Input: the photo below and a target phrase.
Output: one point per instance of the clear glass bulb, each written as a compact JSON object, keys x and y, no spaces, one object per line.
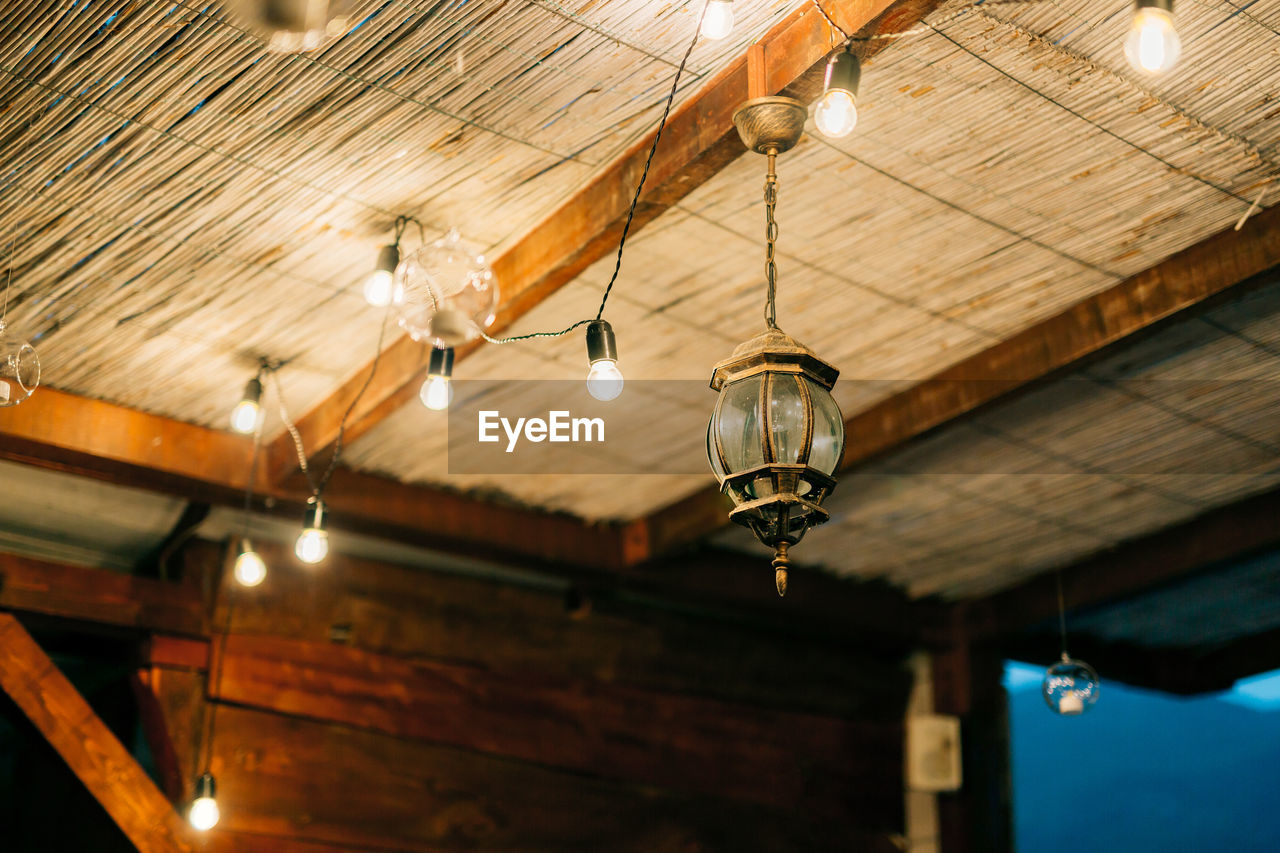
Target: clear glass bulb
{"x":604,"y":382}
{"x":313,"y":545}
{"x":244,"y":417}
{"x":1070,"y":687}
{"x":204,"y":813}
{"x":718,"y":21}
{"x":836,"y":114}
{"x":436,"y":393}
{"x":19,"y":369}
{"x":1152,"y":46}
{"x":378,"y":288}
{"x":250,"y":568}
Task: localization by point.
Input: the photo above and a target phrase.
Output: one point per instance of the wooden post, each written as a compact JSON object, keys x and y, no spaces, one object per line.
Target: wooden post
{"x":85,"y":743}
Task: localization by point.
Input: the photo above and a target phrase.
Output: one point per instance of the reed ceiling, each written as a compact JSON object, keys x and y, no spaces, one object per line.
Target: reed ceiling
{"x":182,"y":202}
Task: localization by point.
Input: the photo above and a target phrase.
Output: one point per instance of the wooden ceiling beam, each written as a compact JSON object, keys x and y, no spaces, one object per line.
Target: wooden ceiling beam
{"x":100,"y":597}
{"x":1221,"y":535}
{"x":1195,"y":278}
{"x":699,"y":141}
{"x":85,"y":743}
{"x":64,"y":432}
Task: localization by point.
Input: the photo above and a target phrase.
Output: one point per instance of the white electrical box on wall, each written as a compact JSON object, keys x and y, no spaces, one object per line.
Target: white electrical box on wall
{"x":933,"y":753}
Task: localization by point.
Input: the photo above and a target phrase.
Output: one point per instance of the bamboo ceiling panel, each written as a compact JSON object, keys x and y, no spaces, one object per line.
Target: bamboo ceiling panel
{"x":995,"y":178}
{"x":182,"y":202}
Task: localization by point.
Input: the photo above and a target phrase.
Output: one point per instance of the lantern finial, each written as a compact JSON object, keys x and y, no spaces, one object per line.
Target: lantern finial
{"x":781,"y":562}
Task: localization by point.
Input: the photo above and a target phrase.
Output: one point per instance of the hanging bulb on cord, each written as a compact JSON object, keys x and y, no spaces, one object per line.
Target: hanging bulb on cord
{"x":313,"y":541}
{"x":718,"y":20}
{"x":604,"y":381}
{"x":379,"y":288}
{"x":244,"y":417}
{"x":836,"y":113}
{"x":204,"y":813}
{"x":1152,"y":45}
{"x":250,"y":568}
{"x":437,"y":391}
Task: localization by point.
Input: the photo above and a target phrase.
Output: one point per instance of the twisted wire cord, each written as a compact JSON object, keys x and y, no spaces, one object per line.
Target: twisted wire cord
{"x":342,"y":425}
{"x":635,"y":199}
{"x":293,"y":432}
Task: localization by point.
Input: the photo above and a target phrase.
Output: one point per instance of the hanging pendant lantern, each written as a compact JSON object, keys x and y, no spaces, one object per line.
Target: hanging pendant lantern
{"x":1070,"y":687}
{"x":776,"y":436}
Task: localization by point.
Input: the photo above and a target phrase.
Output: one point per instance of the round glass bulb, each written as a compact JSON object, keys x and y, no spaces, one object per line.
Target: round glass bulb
{"x":378,"y":288}
{"x":1070,"y":687}
{"x":436,"y":393}
{"x":244,"y":417}
{"x":1152,"y":46}
{"x":604,"y":382}
{"x":250,"y":568}
{"x":19,"y":369}
{"x":204,"y":813}
{"x":294,"y":26}
{"x":445,"y":295}
{"x":836,"y":114}
{"x":312,"y":546}
{"x":718,"y":22}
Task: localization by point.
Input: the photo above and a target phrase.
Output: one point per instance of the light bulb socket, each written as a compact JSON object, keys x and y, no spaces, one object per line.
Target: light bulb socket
{"x":206,"y":788}
{"x":1165,"y":5}
{"x":388,"y":258}
{"x":441,"y":363}
{"x":314,"y":519}
{"x":252,"y":391}
{"x":844,"y":71}
{"x":601,"y":344}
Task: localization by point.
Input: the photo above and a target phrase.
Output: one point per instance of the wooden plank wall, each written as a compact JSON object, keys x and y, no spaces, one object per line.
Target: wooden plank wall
{"x":365,"y":706}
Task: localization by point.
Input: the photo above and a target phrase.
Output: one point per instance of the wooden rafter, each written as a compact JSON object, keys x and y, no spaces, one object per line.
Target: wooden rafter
{"x":1232,"y":532}
{"x":699,"y":142}
{"x":1194,"y":278}
{"x":85,"y":743}
{"x":64,"y":432}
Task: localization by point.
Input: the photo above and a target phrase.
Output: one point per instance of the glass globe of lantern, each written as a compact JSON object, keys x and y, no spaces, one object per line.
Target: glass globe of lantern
{"x":19,"y":368}
{"x":297,"y":26}
{"x":775,"y":439}
{"x":1070,"y":687}
{"x":445,"y":295}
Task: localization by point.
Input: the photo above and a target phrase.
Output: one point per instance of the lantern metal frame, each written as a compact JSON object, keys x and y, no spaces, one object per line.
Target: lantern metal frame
{"x":771,"y":512}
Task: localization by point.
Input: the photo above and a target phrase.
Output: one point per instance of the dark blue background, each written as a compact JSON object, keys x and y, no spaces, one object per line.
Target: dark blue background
{"x":1143,"y":771}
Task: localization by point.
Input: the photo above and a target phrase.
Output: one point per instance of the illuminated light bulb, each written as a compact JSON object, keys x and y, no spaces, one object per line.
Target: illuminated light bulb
{"x":250,"y":569}
{"x":604,"y":381}
{"x":313,"y":541}
{"x":437,"y":391}
{"x":294,"y":26}
{"x":718,"y":21}
{"x":244,"y":417}
{"x":1153,"y":46}
{"x":204,"y":812}
{"x":379,"y":288}
{"x":19,"y":369}
{"x":836,"y":113}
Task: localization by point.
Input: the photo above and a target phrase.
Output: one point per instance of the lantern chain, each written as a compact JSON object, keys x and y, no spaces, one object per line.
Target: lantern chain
{"x":771,"y":237}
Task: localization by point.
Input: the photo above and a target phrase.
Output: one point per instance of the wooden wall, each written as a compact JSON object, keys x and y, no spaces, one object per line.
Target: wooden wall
{"x":364,"y":706}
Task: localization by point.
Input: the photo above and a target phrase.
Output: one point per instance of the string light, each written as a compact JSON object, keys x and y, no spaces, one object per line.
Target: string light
{"x":247,"y":414}
{"x":604,"y":381}
{"x":437,"y":391}
{"x":250,"y":569}
{"x":836,"y":112}
{"x":204,"y":814}
{"x":313,"y":542}
{"x":379,"y":288}
{"x":1153,"y":46}
{"x":717,"y":21}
